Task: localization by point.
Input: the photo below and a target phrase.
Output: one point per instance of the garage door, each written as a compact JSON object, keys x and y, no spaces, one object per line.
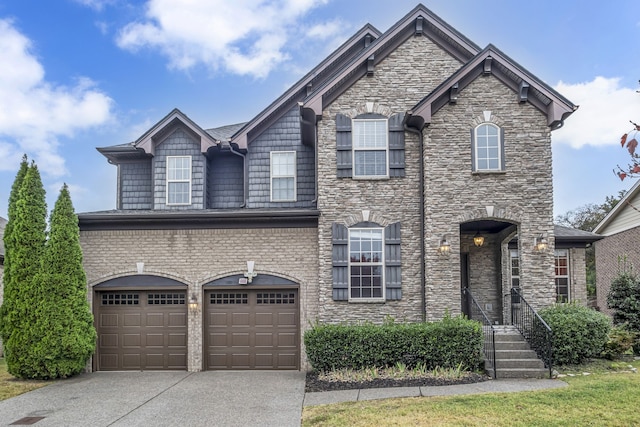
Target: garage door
{"x":140,"y":330}
{"x":252,"y":329}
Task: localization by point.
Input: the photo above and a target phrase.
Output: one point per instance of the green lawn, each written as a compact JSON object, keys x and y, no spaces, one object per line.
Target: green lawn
{"x":11,"y":386}
{"x":607,"y":397}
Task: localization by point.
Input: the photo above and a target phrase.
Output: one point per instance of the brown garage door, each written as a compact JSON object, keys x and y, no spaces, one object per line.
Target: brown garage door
{"x":252,"y":329}
{"x":140,"y":330}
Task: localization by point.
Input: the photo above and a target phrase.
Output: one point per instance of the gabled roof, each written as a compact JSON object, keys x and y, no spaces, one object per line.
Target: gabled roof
{"x":307,"y":84}
{"x":145,"y":145}
{"x":420,"y":21}
{"x":492,"y":61}
{"x":624,"y":215}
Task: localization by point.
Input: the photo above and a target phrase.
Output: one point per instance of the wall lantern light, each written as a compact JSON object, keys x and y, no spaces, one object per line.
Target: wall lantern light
{"x":540,"y":243}
{"x":193,"y":302}
{"x":478,"y":240}
{"x":445,"y":246}
{"x":250,"y":274}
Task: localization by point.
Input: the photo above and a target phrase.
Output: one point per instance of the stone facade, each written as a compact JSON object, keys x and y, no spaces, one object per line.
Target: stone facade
{"x":614,"y":254}
{"x":196,"y":257}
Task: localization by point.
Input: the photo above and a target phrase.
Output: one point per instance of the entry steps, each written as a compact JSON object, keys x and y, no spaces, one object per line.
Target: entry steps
{"x":514,"y":356}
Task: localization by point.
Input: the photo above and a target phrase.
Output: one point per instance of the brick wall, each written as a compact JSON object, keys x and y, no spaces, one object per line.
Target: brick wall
{"x":613,"y":254}
{"x":196,"y":257}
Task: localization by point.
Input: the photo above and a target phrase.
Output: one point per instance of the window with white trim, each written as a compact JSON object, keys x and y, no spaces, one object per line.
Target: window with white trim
{"x":283,"y":176}
{"x":370,"y":148}
{"x":178,"y":180}
{"x":487,"y":148}
{"x":366,"y":264}
{"x":562,"y":275}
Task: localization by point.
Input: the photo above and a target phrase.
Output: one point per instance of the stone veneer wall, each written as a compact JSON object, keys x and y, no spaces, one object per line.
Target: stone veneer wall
{"x":613,"y":254}
{"x":196,"y":257}
{"x":398,"y":83}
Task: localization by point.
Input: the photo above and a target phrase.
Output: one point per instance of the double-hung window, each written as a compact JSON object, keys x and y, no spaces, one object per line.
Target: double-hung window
{"x":283,"y":176}
{"x":488,"y":150}
{"x":366,"y":264}
{"x":370,"y":148}
{"x":178,"y":180}
{"x":562,"y":275}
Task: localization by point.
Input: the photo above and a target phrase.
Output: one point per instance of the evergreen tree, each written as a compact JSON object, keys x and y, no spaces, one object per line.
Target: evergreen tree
{"x":27,"y":241}
{"x":64,"y":321}
{"x":9,"y":240}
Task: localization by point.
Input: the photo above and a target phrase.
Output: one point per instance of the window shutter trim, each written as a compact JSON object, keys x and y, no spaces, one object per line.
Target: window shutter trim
{"x":393,"y":261}
{"x":344,"y":160}
{"x":340,"y":262}
{"x":396,"y":146}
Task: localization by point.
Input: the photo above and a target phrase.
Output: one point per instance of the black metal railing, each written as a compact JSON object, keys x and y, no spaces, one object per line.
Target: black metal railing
{"x":489,"y":332}
{"x":535,"y":330}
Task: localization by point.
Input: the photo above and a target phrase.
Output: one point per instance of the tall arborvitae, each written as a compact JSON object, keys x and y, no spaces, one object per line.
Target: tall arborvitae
{"x":5,"y":325}
{"x":28,"y":234}
{"x":64,"y":321}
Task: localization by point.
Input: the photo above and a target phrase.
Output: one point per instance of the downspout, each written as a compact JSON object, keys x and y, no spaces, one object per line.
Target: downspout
{"x":244,"y":173}
{"x":423,"y":292}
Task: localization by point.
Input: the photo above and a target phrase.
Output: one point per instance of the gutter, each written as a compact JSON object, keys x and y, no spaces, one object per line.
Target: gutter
{"x":245,"y":178}
{"x":423,"y":285}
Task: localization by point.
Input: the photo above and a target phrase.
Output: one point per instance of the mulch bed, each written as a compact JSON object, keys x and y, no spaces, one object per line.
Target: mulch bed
{"x":314,"y":384}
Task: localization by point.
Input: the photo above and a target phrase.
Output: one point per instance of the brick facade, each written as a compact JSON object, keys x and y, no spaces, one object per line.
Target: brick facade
{"x":614,"y":254}
{"x":196,"y":257}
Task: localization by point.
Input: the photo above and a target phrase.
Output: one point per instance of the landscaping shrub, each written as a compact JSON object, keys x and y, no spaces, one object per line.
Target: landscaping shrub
{"x":620,"y":341}
{"x":445,"y":344}
{"x":579,"y":332}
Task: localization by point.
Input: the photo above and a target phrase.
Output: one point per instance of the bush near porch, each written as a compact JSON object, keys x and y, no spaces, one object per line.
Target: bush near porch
{"x":449,"y":343}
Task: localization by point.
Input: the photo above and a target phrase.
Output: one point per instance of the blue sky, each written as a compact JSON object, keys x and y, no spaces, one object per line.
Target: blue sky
{"x":80,"y":74}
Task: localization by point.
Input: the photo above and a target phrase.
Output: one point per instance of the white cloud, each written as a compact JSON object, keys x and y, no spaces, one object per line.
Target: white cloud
{"x":35,"y":113}
{"x":241,"y":36}
{"x":604,"y":113}
{"x":96,"y":4}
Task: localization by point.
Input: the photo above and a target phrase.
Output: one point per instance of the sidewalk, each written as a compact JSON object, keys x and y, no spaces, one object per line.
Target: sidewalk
{"x":491,"y":386}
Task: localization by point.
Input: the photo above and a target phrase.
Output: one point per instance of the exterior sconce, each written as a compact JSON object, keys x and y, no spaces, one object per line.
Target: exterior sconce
{"x":540,"y":243}
{"x":445,"y":246}
{"x":193,"y":302}
{"x":250,"y":274}
{"x":478,"y":240}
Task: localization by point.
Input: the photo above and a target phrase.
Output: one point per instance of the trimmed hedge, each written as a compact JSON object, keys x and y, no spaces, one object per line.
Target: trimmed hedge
{"x":579,"y":333}
{"x":445,"y":344}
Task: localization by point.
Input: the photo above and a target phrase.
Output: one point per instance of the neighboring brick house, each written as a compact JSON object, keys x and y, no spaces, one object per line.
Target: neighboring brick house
{"x":355,"y":196}
{"x":618,"y":250}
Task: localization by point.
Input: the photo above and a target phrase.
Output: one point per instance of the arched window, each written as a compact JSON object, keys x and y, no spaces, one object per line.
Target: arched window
{"x":487,"y":148}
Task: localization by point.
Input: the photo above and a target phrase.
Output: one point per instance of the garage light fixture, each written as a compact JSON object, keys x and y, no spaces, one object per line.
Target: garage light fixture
{"x":193,"y":302}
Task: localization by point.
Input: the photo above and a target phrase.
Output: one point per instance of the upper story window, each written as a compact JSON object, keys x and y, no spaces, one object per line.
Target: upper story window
{"x":562,"y":275}
{"x":370,"y":148}
{"x":366,"y":264}
{"x":178,"y":180}
{"x":488,"y":149}
{"x":283,"y":176}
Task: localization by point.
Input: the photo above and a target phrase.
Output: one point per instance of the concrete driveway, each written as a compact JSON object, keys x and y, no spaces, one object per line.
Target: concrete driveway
{"x":216,"y":398}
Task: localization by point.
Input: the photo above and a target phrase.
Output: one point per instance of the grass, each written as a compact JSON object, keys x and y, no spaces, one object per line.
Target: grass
{"x":607,"y":397}
{"x":11,"y":386}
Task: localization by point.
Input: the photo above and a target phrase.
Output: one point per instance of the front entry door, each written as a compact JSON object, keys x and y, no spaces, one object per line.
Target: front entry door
{"x":464,"y":284}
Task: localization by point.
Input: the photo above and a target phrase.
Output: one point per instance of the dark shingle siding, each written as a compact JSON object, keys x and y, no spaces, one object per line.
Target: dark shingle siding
{"x":225,"y":181}
{"x":284,"y":135}
{"x":135,"y":187}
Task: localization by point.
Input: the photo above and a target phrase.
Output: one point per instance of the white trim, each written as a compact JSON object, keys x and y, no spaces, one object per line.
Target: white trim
{"x":380,"y":264}
{"x":174,"y":180}
{"x":475,"y":150}
{"x":355,"y":149}
{"x":556,"y":254}
{"x":294,"y":176}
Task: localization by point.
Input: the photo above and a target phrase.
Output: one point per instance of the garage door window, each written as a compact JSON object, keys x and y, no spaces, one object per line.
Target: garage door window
{"x":229,"y":298}
{"x":120,"y":299}
{"x":276,"y":298}
{"x":166,"y":299}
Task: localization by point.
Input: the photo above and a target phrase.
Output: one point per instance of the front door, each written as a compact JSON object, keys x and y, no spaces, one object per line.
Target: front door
{"x":464,"y":284}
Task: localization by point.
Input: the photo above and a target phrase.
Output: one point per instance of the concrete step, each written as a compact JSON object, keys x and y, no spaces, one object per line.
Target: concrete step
{"x":511,"y":336}
{"x":522,"y":373}
{"x":514,"y":356}
{"x":519,"y":364}
{"x":512,"y":345}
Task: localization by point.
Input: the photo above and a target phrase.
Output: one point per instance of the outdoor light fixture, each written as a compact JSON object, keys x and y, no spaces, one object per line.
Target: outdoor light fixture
{"x":250,"y":274}
{"x":193,"y":302}
{"x":445,"y":246}
{"x":540,"y":243}
{"x":478,"y":240}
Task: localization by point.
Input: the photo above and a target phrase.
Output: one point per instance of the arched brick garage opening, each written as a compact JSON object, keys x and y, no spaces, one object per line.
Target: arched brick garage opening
{"x":141,"y":322}
{"x":253,"y":326}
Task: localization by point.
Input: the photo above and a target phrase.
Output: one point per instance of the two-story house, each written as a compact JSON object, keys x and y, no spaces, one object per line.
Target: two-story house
{"x":394,"y":174}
